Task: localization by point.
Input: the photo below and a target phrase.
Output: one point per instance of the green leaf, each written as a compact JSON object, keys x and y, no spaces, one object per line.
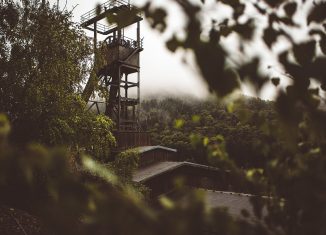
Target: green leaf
{"x":205,"y":141}
{"x":219,"y":138}
{"x":179,"y":123}
{"x":230,"y":107}
{"x":4,"y":127}
{"x":99,"y":170}
{"x":166,"y":202}
{"x":195,"y":118}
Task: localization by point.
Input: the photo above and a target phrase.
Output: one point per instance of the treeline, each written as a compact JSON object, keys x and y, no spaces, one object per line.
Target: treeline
{"x":180,"y":122}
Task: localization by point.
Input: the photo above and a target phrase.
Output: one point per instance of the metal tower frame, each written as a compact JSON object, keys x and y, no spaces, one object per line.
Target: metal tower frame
{"x":121,"y":59}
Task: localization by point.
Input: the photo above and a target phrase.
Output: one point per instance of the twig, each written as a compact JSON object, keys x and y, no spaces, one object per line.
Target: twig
{"x":74,"y":7}
{"x":17,"y":222}
{"x":65,"y":6}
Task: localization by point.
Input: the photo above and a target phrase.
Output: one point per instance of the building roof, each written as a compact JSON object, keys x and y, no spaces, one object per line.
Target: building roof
{"x":159,"y":168}
{"x":144,"y":149}
{"x":234,"y":202}
{"x":153,"y":170}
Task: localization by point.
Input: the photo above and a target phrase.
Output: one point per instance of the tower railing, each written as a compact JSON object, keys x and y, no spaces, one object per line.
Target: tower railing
{"x":124,"y":41}
{"x":101,"y":28}
{"x":103,"y":8}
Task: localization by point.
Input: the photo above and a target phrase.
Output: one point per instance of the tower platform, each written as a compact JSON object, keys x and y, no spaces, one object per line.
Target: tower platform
{"x":112,"y":7}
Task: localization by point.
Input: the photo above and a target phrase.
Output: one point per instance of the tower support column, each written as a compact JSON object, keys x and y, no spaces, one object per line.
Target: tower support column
{"x":95,"y":37}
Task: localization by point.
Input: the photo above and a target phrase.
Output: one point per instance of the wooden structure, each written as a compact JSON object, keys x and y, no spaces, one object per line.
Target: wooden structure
{"x":130,"y":139}
{"x":152,"y":154}
{"x":116,"y":60}
{"x":121,"y":59}
{"x":160,"y":177}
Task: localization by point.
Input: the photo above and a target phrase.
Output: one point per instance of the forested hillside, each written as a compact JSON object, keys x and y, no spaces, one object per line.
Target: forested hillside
{"x":183,"y":123}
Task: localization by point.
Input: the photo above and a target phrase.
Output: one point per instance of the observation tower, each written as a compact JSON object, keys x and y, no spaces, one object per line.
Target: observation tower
{"x":117,"y":68}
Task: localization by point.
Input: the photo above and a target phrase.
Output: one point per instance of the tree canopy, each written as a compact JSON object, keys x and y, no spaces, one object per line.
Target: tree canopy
{"x":175,"y":122}
{"x":45,"y":58}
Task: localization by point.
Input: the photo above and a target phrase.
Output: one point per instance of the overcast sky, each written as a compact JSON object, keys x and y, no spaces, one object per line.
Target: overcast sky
{"x":162,"y":71}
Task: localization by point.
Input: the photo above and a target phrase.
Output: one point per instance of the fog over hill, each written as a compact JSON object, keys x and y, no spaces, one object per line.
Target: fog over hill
{"x":169,"y":73}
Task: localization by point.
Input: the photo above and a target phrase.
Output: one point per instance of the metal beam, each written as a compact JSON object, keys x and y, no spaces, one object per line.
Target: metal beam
{"x":103,"y":15}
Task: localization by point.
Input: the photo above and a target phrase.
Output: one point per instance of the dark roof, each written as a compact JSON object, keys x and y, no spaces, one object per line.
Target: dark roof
{"x":153,"y":170}
{"x":235,"y":202}
{"x":144,"y":149}
{"x":159,"y":168}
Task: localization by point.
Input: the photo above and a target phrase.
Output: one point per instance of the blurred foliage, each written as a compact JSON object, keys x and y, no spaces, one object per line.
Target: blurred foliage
{"x":126,"y":163}
{"x":44,"y":61}
{"x":94,"y":200}
{"x":295,"y":172}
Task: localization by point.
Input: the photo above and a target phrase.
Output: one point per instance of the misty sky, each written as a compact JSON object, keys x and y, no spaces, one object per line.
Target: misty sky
{"x":162,"y":71}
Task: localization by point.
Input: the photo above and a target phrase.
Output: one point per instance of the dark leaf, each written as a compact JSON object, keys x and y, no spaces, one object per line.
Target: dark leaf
{"x":231,"y":3}
{"x":314,"y":91}
{"x":12,"y":16}
{"x":272,"y":18}
{"x":225,"y":30}
{"x":157,"y":19}
{"x":98,"y":9}
{"x":246,"y":31}
{"x":249,"y":72}
{"x":270,"y":36}
{"x":287,"y":21}
{"x":316,"y":32}
{"x":317,"y":69}
{"x":275,"y":81}
{"x":214,"y":36}
{"x":304,"y":53}
{"x":239,"y":10}
{"x":322,"y":44}
{"x":285,"y":105}
{"x":290,"y":8}
{"x":230,"y":81}
{"x":318,"y":13}
{"x":173,"y":44}
{"x":211,"y":61}
{"x":274,"y":3}
{"x":323,"y":86}
{"x":259,"y":9}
